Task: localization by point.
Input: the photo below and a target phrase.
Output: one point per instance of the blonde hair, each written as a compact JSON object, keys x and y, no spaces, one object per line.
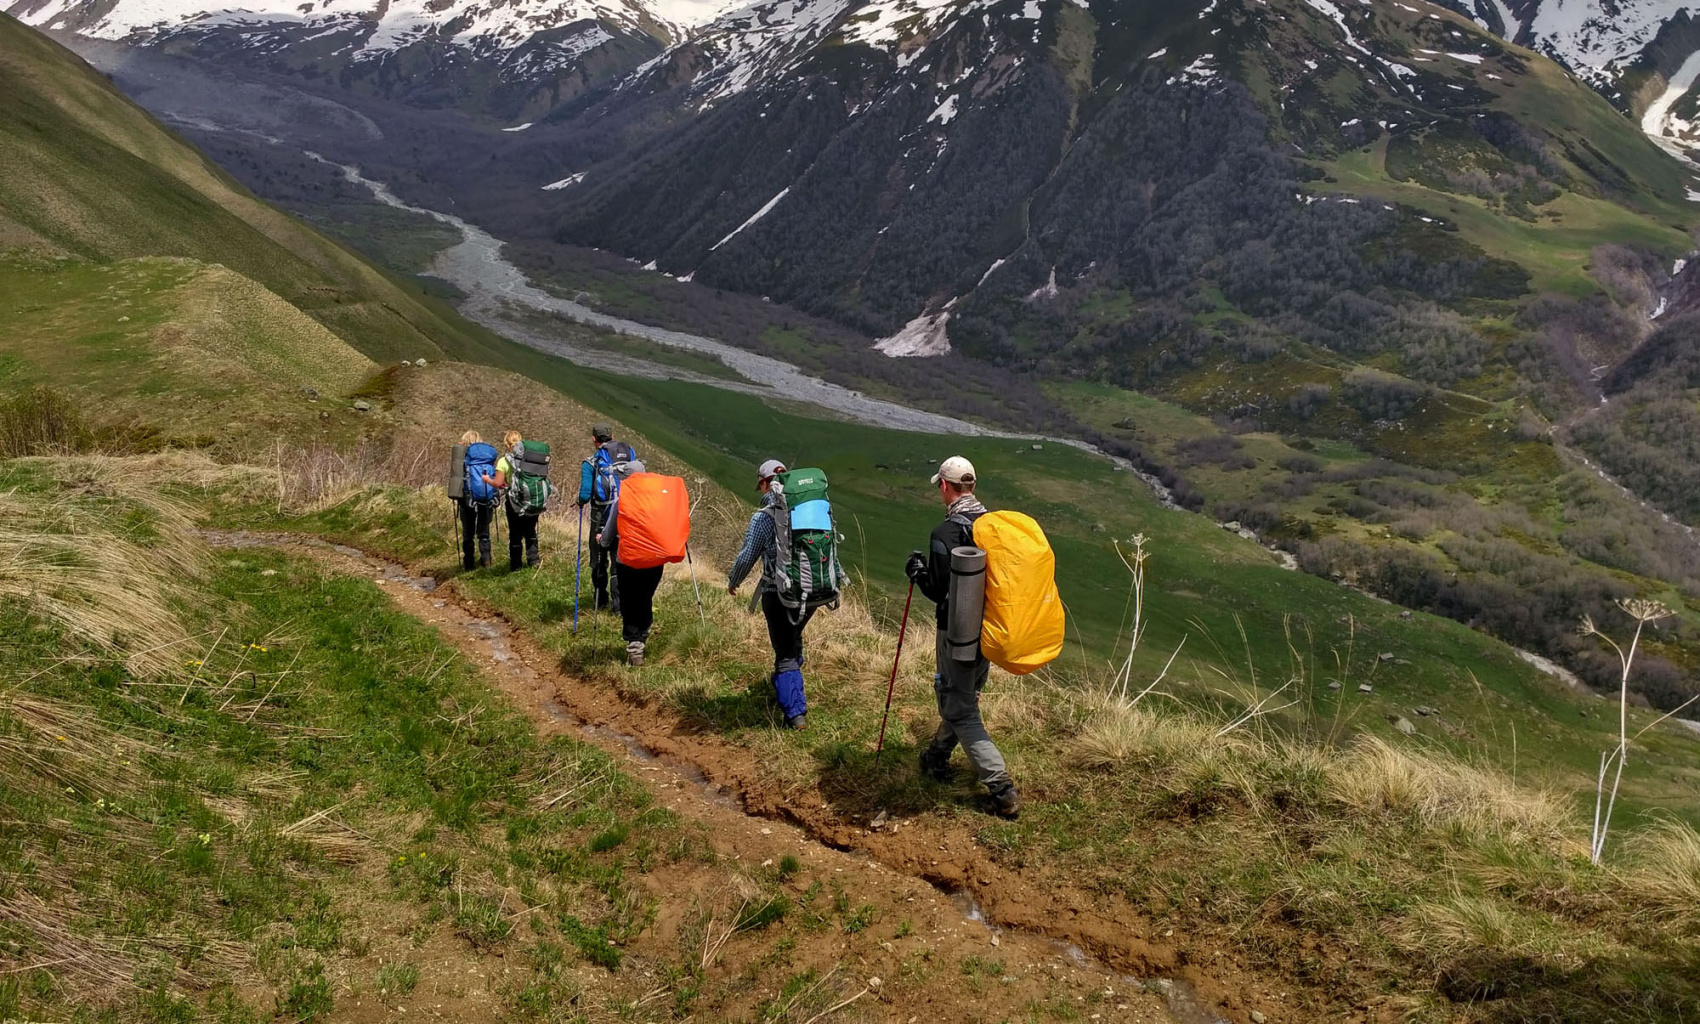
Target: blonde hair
{"x":470,"y":437}
{"x":512,"y":438}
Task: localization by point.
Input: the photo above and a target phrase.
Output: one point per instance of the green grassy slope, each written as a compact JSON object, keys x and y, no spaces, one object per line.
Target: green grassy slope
{"x":89,"y":174}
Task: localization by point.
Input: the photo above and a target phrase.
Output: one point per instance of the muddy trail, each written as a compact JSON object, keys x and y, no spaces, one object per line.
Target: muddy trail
{"x":962,"y":895}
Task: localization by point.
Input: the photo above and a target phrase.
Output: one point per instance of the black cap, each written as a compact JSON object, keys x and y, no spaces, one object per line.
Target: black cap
{"x":602,"y":432}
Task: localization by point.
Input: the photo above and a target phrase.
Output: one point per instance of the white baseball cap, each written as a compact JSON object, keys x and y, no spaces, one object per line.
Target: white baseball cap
{"x":768,"y":470}
{"x":955,"y":469}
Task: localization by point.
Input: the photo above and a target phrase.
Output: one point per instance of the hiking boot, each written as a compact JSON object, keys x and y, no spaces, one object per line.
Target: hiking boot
{"x":1006,"y":805}
{"x":934,"y":767}
{"x":634,"y":653}
{"x":798,"y":722}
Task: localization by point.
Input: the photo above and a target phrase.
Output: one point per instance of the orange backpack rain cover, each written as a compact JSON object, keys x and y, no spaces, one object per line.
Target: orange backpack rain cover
{"x":654,"y":521}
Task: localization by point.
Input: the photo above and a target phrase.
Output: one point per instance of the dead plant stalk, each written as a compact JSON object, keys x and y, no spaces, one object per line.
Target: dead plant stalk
{"x":1644,"y":612}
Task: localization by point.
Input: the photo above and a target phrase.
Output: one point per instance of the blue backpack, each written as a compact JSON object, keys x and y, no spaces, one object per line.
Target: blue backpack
{"x":603,"y":486}
{"x":481,"y":459}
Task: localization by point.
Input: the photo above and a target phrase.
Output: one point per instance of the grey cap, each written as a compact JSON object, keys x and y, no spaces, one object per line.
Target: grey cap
{"x":768,"y":470}
{"x":625,"y":469}
{"x":602,"y":432}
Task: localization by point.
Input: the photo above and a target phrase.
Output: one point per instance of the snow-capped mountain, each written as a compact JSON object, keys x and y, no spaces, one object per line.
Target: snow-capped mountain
{"x":382,"y":25}
{"x":1601,"y":41}
{"x":1597,"y":39}
{"x":933,"y":168}
{"x":563,"y":46}
{"x":760,"y":41}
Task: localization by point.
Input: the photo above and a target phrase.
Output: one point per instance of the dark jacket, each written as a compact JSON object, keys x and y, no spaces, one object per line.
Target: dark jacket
{"x":950,"y":534}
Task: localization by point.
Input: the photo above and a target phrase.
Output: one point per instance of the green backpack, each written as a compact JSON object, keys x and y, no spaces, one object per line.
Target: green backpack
{"x":807,"y":574}
{"x":528,"y":484}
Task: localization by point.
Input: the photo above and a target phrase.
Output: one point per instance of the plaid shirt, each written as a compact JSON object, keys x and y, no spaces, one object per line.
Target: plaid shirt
{"x":760,"y":541}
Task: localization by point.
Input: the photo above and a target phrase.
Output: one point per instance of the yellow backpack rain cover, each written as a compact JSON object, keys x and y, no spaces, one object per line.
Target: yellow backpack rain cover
{"x":1023,"y":627}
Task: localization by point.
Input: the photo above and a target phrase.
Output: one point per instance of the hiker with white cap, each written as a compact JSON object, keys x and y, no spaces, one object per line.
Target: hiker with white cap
{"x":957,"y":683}
{"x":784,"y":625}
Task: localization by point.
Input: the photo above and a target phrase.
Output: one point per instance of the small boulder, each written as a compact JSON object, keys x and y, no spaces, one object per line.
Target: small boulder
{"x":419,"y":363}
{"x":1365,"y":688}
{"x":1257,"y":1017}
{"x":361,"y":405}
{"x":1385,"y":656}
{"x":1334,"y":685}
{"x":405,"y":362}
{"x":1406,"y":614}
{"x":311,"y":392}
{"x":1403,"y":724}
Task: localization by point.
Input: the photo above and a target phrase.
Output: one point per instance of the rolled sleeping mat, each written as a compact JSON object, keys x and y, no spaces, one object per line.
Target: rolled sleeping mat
{"x":967,"y":603}
{"x":457,"y":472}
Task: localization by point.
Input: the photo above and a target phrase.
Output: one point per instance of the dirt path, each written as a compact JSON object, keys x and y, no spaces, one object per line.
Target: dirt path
{"x":961,"y":902}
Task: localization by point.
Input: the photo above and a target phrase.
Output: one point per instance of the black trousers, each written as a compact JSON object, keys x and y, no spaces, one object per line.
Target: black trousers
{"x":784,"y":633}
{"x":637,"y":605}
{"x":522,"y":530}
{"x":604,"y":582}
{"x":474,"y":526}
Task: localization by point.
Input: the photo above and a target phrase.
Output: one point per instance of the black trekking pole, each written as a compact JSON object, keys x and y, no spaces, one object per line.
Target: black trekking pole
{"x":891,"y":687}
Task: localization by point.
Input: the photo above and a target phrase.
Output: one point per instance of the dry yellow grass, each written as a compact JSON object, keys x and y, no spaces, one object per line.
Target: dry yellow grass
{"x":1668,"y":870}
{"x":76,"y":559}
{"x":1373,"y":775}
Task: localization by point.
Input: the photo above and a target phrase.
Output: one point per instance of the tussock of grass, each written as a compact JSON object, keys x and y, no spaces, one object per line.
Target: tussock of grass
{"x":1668,"y":858}
{"x":41,"y":421}
{"x":101,"y":555}
{"x":1439,"y":790}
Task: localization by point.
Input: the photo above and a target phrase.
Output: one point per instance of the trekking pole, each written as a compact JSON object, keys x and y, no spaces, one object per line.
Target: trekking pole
{"x":578,"y":564}
{"x":695,"y":586}
{"x":891,"y":687}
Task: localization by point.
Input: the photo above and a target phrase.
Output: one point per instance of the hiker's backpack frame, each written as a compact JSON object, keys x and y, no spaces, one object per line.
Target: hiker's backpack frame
{"x":604,"y":482}
{"x":807,"y":573}
{"x":480,"y":459}
{"x":529,"y":489}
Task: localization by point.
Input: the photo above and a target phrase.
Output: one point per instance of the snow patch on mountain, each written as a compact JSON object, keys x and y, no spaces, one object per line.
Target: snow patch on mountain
{"x":1588,"y":37}
{"x":758,"y":215}
{"x":1334,"y":14}
{"x":923,"y":336}
{"x":1662,"y":126}
{"x":1596,"y":39}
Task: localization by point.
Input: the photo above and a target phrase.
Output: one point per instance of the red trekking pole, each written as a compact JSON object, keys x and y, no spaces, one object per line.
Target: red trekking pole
{"x":891,"y":686}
